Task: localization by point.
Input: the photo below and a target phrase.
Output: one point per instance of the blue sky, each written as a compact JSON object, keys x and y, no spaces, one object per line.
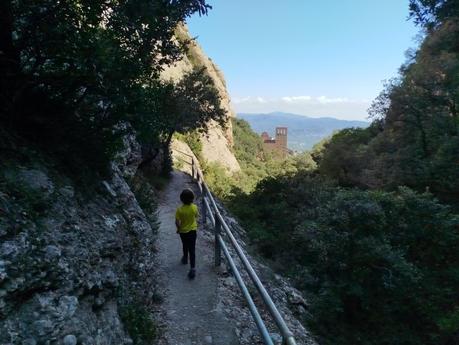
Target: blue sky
{"x":316,"y":58}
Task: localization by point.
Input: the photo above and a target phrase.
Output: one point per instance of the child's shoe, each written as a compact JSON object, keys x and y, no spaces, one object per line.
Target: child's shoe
{"x":192,"y":273}
{"x":184,"y":260}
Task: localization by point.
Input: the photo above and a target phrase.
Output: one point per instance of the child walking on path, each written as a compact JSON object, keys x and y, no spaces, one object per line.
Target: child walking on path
{"x":186,"y":220}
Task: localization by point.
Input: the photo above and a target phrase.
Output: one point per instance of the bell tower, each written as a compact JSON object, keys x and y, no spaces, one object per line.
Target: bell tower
{"x":281,"y":139}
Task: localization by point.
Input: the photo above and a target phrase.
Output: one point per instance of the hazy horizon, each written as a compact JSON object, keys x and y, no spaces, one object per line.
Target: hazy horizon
{"x":312,"y":116}
{"x":326,"y":58}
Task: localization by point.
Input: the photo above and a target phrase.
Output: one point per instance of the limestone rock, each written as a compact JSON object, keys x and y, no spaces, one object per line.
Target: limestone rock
{"x":218,"y":142}
{"x":36,"y":180}
{"x":129,"y":158}
{"x":70,"y":339}
{"x":216,"y":148}
{"x":62,"y":272}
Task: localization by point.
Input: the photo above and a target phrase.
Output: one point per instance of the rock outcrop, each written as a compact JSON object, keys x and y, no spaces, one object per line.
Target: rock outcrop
{"x":75,"y":259}
{"x":216,"y":145}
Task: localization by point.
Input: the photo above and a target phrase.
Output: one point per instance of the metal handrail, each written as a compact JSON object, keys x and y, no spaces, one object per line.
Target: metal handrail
{"x":209,"y":207}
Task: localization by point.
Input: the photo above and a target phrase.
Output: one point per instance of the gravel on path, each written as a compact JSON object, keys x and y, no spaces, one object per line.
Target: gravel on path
{"x":193,"y":314}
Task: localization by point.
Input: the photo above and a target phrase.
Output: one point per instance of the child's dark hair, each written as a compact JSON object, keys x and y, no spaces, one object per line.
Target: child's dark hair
{"x":187,"y":196}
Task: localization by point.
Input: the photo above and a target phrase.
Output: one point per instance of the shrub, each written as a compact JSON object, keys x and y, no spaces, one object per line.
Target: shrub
{"x":378,"y":267}
{"x":139,"y":324}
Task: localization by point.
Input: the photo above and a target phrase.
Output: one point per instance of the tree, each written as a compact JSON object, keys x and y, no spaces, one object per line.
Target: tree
{"x":418,"y":144}
{"x":344,"y":156}
{"x":413,"y":140}
{"x":191,"y":104}
{"x":377,"y":267}
{"x":73,"y":71}
{"x":431,"y":13}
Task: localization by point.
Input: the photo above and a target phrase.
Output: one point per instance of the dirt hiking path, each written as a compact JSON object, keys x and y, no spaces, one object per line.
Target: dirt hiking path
{"x":193,"y":314}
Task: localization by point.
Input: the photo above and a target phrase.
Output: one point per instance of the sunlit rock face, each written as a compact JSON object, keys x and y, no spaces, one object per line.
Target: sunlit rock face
{"x":218,"y":142}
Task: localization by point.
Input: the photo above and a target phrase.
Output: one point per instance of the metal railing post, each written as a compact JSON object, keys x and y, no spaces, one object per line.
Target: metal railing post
{"x":192,"y":168}
{"x":204,"y":210}
{"x":218,"y":250}
{"x":210,"y":209}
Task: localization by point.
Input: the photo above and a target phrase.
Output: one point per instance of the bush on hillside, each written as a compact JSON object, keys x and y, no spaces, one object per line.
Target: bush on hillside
{"x":378,"y":267}
{"x":256,"y":164}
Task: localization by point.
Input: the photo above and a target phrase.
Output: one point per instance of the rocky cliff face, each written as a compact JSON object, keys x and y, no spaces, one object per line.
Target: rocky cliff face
{"x":217,"y":144}
{"x":75,"y":260}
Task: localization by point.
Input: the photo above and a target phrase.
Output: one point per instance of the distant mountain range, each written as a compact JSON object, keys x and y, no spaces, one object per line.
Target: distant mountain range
{"x":303,"y":131}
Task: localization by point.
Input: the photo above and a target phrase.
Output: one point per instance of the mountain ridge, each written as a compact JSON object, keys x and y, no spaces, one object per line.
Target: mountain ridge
{"x":303,"y":131}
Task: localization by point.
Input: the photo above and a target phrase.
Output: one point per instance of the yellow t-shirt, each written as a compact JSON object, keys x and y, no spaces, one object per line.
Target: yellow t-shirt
{"x":187,"y":215}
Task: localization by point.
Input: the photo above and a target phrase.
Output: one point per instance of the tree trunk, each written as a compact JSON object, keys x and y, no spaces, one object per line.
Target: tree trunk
{"x":150,"y":153}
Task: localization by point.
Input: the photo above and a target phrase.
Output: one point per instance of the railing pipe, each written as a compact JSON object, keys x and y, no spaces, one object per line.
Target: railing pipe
{"x":219,"y":222}
{"x":183,"y":153}
{"x":286,"y":333}
{"x":211,"y":198}
{"x":204,"y":209}
{"x":192,"y":168}
{"x":253,"y":309}
{"x":209,"y":211}
{"x":218,"y":254}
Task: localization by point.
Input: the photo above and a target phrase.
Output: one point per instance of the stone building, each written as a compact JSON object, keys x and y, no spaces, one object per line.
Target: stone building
{"x":278,"y":144}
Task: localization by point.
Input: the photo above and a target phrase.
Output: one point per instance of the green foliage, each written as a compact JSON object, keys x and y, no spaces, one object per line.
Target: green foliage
{"x":256,"y":163}
{"x":181,"y":108}
{"x":248,"y":149}
{"x":185,"y":107}
{"x":390,"y":263}
{"x":75,"y":74}
{"x":430,"y":13}
{"x":218,"y":179}
{"x":414,"y":138}
{"x":193,"y":140}
{"x":344,"y":156}
{"x":248,"y":145}
{"x":139,"y":323}
{"x":378,"y":267}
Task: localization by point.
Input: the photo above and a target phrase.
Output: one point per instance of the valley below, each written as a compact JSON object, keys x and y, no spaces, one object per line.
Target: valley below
{"x":303,"y":131}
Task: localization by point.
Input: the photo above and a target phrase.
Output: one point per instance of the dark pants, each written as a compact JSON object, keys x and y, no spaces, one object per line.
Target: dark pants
{"x":189,"y":246}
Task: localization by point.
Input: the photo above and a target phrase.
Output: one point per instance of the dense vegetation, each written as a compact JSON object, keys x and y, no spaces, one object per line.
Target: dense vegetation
{"x":378,"y":267}
{"x":77,"y":76}
{"x":364,"y":234}
{"x":256,"y":164}
{"x":414,"y":139}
